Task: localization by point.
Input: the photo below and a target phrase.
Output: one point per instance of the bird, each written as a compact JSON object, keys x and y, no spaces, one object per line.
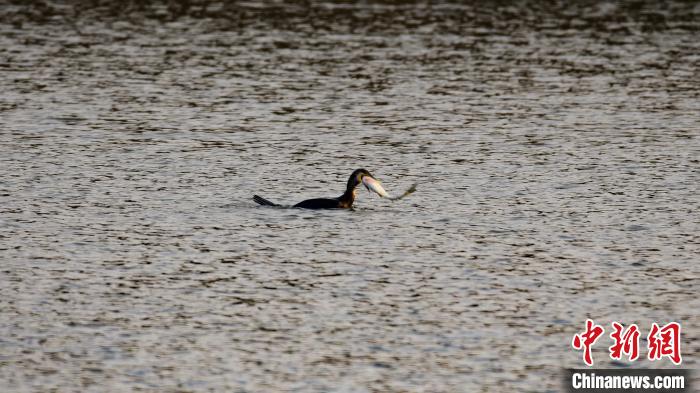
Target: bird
{"x":345,"y":201}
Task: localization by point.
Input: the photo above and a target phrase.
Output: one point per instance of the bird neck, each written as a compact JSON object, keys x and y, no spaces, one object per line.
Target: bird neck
{"x":348,"y":197}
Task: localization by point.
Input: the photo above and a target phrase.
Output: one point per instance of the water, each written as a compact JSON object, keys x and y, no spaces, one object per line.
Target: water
{"x":556,"y":149}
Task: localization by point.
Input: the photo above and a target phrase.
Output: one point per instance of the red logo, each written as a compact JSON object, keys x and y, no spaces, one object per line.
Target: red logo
{"x":586,"y":340}
{"x":627,"y":343}
{"x":662,"y":342}
{"x":665,"y":342}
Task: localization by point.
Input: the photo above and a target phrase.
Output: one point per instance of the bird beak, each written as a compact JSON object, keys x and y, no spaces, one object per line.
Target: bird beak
{"x":373,"y":185}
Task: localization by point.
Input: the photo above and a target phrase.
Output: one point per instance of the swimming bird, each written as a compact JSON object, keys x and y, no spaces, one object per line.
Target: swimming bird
{"x":345,"y":201}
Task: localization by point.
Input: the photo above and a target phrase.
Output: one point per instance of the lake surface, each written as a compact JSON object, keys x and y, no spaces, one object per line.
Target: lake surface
{"x":556,"y":150}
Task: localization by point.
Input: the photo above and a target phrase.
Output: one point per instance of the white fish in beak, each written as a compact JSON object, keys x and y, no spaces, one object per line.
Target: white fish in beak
{"x":373,"y":185}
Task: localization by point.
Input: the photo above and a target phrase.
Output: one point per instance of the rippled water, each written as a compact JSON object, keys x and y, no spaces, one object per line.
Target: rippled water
{"x":556,"y":149}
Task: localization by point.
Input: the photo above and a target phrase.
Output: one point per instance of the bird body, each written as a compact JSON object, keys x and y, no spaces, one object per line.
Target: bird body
{"x":344,"y":201}
{"x":322,"y":203}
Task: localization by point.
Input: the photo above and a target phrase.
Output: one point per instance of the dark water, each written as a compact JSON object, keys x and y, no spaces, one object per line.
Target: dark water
{"x":556,"y":149}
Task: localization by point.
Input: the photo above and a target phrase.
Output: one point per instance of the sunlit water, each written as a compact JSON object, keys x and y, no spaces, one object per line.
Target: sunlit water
{"x":556,"y":150}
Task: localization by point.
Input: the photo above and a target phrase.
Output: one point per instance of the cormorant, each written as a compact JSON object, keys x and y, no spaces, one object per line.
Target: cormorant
{"x":344,"y":201}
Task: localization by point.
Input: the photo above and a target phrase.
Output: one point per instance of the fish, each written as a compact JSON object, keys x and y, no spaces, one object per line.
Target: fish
{"x":375,"y":186}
